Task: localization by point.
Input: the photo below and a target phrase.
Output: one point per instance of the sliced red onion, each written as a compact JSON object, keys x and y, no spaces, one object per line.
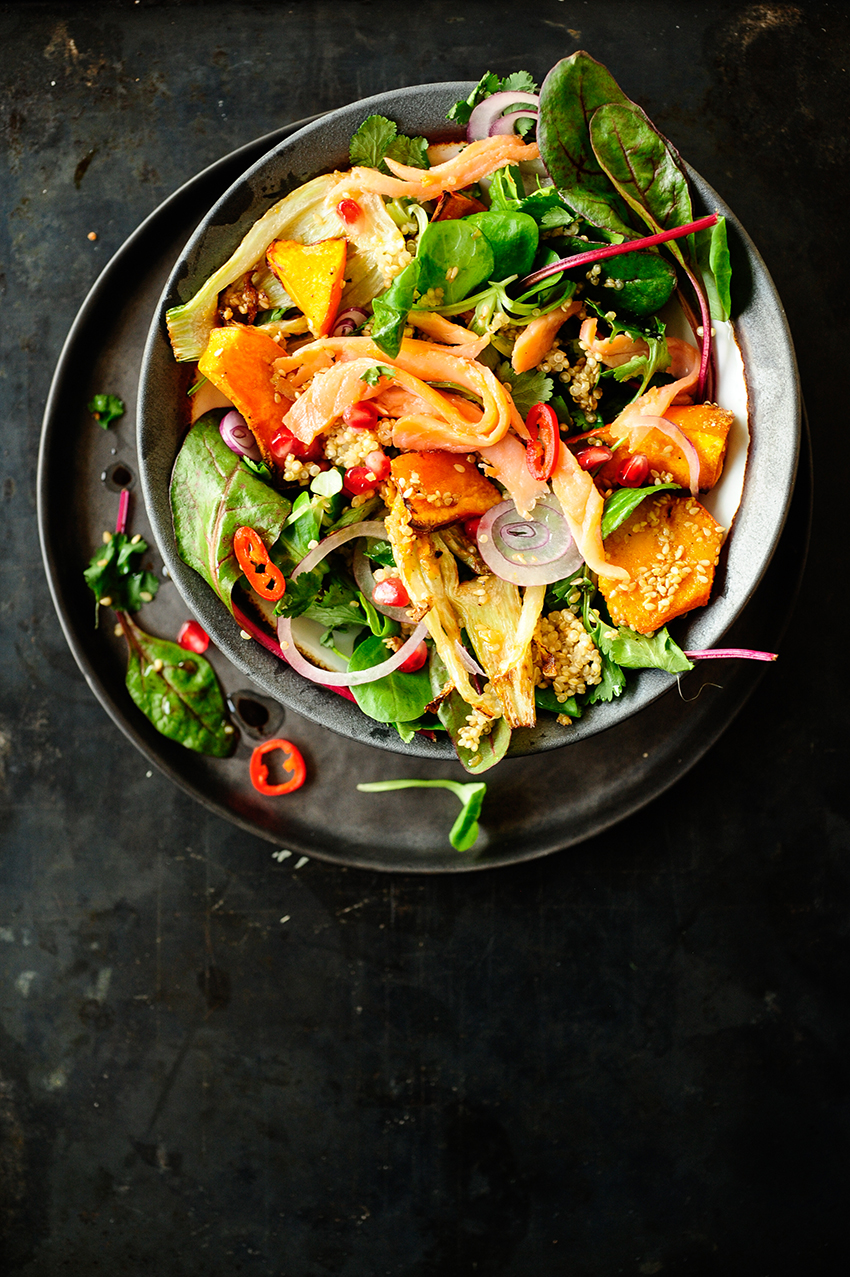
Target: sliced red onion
{"x":487,"y":113}
{"x":365,"y":579}
{"x":348,"y":321}
{"x":728,"y":653}
{"x":355,"y":677}
{"x":368,"y":528}
{"x":265,"y":640}
{"x":533,"y":551}
{"x":678,"y":436}
{"x":505,"y":123}
{"x":467,"y":660}
{"x":235,"y":432}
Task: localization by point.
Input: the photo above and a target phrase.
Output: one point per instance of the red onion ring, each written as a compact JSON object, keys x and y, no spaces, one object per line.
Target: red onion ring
{"x":486,"y":114}
{"x":328,"y":678}
{"x":348,"y":321}
{"x":533,"y":551}
{"x":238,"y":436}
{"x":505,"y":123}
{"x":468,"y":661}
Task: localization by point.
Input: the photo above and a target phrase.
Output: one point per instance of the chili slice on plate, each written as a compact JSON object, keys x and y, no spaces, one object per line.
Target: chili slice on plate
{"x":293,"y":763}
{"x":541,"y":453}
{"x":264,"y":576}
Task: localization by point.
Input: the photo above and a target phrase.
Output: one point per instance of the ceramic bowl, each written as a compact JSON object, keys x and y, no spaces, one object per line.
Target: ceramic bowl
{"x":773,"y":413}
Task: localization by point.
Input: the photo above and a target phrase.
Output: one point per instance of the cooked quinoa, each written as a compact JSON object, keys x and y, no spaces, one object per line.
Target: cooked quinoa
{"x":564,"y":655}
{"x":346,"y":447}
{"x":477,"y":724}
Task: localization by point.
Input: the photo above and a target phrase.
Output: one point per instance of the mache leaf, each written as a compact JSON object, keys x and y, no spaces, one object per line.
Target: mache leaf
{"x":464,"y":832}
{"x":395,"y":698}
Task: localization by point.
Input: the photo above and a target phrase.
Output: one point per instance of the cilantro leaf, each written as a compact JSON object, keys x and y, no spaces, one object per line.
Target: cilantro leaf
{"x":117,"y":578}
{"x":377,"y":137}
{"x":527,"y":388}
{"x":300,"y":593}
{"x":106,"y":409}
{"x":374,"y":374}
{"x":487,"y":85}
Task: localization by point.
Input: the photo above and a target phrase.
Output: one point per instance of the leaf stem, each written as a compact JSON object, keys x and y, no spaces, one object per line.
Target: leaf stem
{"x":616,"y":250}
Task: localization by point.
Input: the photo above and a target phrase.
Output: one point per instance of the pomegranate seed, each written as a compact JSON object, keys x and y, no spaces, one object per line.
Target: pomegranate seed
{"x":416,"y":660}
{"x":192,"y":638}
{"x":390,"y":593}
{"x":470,"y":527}
{"x":361,"y":416}
{"x":349,"y":211}
{"x":379,"y":464}
{"x":590,"y":458}
{"x":633,"y":470}
{"x":358,"y":480}
{"x":285,"y":443}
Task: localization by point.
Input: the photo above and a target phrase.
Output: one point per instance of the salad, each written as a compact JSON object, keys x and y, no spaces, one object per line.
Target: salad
{"x":453,"y":416}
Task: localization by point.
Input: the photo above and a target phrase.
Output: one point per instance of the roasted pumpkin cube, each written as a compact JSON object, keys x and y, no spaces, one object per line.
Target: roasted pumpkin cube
{"x":314,"y":277}
{"x":439,"y":488}
{"x":706,"y":425}
{"x":669,"y":547}
{"x":239,"y":362}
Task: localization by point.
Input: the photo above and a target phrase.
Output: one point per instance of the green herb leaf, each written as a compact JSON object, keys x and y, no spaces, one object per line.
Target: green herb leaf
{"x":465,"y":830}
{"x":624,"y":502}
{"x":639,"y":651}
{"x":389,"y":316}
{"x":374,"y":374}
{"x":527,"y":388}
{"x":106,"y":409}
{"x":486,"y":86}
{"x":378,"y":137}
{"x":603,"y":635}
{"x":116,"y":576}
{"x":212,"y":494}
{"x":300,"y":594}
{"x":178,"y":691}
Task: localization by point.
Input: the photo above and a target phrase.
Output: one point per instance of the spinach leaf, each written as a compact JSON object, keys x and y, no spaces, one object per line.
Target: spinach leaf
{"x":453,"y":712}
{"x":377,"y":137}
{"x":390,"y":311}
{"x":639,"y":651}
{"x":395,"y":698}
{"x":527,"y":388}
{"x":624,"y":502}
{"x":453,"y":257}
{"x":465,"y":830}
{"x":105,"y":409}
{"x":178,"y":691}
{"x":716,"y":267}
{"x":513,"y":237}
{"x":644,"y":168}
{"x":212,"y":494}
{"x":573,"y":90}
{"x":640,"y":283}
{"x":116,"y":579}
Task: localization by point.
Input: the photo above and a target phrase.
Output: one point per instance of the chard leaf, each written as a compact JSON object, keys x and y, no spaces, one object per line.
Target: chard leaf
{"x":212,"y":494}
{"x":640,"y":651}
{"x":465,"y":830}
{"x":105,"y":409}
{"x":644,"y":168}
{"x":716,"y":267}
{"x":573,"y":90}
{"x":527,"y":388}
{"x":624,"y":502}
{"x":178,"y":691}
{"x":395,"y":698}
{"x":117,"y":578}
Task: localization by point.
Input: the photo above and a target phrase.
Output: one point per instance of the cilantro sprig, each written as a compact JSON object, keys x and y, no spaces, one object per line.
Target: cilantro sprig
{"x":379,"y":137}
{"x":490,"y":83}
{"x":105,"y":409}
{"x":116,"y":577}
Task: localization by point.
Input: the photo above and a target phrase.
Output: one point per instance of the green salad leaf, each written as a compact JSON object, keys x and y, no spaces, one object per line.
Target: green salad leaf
{"x":623,"y":502}
{"x":105,"y":409}
{"x":464,"y":832}
{"x":378,"y":137}
{"x":116,"y":575}
{"x":636,"y":651}
{"x":395,"y":698}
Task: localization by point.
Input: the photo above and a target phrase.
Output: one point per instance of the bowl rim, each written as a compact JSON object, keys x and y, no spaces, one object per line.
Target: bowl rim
{"x":768,"y":484}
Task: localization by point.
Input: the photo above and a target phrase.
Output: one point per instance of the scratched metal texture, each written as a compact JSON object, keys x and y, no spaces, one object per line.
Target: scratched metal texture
{"x":626,"y":1058}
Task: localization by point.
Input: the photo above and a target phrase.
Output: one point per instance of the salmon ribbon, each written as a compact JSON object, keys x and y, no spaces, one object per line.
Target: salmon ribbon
{"x":474,"y":162}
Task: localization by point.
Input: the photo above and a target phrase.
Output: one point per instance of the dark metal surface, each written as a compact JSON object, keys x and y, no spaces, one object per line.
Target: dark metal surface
{"x":629,"y":1057}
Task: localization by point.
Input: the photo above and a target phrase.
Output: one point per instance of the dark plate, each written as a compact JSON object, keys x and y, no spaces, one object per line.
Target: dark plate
{"x":533,"y":806}
{"x":773,"y":387}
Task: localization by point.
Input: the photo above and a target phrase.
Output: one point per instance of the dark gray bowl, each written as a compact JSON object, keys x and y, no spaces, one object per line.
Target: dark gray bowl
{"x":774,"y":412}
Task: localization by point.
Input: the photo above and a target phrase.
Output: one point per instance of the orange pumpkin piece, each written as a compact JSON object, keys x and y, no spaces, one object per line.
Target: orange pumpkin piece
{"x":669,"y":547}
{"x":239,"y":362}
{"x":706,"y":425}
{"x":314,"y":277}
{"x":439,"y":488}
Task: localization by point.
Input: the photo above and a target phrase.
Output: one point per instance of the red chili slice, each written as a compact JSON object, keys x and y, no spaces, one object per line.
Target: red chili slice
{"x":264,"y":576}
{"x":541,"y":451}
{"x":293,"y":762}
